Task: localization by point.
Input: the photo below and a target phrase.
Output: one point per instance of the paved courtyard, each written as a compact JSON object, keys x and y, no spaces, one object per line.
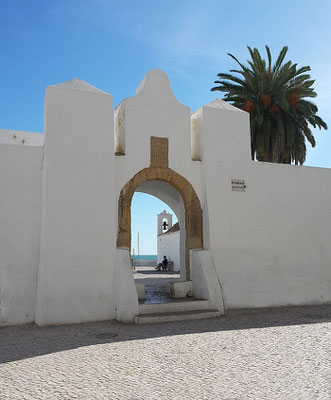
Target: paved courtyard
{"x":155,"y":283}
{"x":258,"y":354}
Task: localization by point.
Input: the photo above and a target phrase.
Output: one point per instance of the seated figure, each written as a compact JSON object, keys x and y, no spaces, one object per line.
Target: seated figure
{"x":164,"y":263}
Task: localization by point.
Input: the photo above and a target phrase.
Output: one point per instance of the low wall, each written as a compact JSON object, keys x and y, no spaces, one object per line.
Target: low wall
{"x":147,"y":262}
{"x":272,"y":242}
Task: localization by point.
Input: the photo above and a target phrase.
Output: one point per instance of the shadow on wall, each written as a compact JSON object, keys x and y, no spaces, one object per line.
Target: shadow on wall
{"x":17,"y":343}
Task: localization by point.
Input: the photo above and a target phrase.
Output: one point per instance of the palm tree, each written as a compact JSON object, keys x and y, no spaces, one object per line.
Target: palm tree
{"x":274,"y":95}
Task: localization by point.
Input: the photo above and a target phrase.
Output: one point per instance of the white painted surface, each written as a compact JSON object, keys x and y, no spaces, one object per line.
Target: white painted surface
{"x":269,"y":245}
{"x":154,"y":111}
{"x":126,"y":293}
{"x":169,"y":245}
{"x":180,"y":290}
{"x":205,"y":282}
{"x":78,"y":84}
{"x":20,"y":204}
{"x":119,"y":137}
{"x":21,"y":138}
{"x":140,"y":288}
{"x":161,"y":218}
{"x":77,"y":264}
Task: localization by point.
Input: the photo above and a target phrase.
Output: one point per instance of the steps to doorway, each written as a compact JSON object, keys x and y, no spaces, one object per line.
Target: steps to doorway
{"x":175,"y":311}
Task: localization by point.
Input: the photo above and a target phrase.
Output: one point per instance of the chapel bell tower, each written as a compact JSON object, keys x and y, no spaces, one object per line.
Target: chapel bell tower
{"x":164,"y":222}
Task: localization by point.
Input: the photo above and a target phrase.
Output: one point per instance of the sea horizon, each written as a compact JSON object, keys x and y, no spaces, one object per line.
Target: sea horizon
{"x":144,"y":256}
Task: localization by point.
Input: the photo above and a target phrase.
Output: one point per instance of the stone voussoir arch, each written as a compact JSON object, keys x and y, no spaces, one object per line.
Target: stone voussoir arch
{"x":193,"y":211}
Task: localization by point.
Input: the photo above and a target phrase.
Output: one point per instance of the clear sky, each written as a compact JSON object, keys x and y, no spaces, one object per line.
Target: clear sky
{"x":112,"y":44}
{"x":144,"y":210}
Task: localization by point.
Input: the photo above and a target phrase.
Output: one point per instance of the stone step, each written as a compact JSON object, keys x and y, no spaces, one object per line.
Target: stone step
{"x":176,"y":306}
{"x":176,"y":316}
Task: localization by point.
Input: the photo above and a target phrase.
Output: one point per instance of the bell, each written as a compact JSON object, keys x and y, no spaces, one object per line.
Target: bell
{"x":165,"y":225}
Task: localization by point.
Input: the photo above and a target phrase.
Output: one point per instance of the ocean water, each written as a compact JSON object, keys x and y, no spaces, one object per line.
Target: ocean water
{"x":144,"y":257}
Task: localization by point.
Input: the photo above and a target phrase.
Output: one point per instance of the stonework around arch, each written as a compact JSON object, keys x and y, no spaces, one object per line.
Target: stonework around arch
{"x":193,"y":211}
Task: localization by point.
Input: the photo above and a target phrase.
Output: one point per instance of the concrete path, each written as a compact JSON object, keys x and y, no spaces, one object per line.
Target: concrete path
{"x":259,"y":354}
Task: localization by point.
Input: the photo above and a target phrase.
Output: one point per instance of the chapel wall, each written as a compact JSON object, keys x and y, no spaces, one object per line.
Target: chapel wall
{"x":169,"y":245}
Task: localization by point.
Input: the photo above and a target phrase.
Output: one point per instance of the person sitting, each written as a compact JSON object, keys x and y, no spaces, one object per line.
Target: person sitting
{"x":164,"y":263}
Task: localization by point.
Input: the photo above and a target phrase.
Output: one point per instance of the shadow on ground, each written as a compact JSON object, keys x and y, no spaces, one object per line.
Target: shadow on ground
{"x":25,"y":341}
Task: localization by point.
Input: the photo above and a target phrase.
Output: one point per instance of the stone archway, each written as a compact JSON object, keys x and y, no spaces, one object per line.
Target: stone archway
{"x":193,"y":211}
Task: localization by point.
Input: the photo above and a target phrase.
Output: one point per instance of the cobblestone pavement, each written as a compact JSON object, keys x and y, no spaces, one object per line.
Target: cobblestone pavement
{"x":155,"y":283}
{"x":257,"y":354}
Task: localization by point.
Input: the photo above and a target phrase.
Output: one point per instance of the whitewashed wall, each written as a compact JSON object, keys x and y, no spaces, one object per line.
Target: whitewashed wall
{"x":271,"y":243}
{"x":76,"y":280}
{"x":154,"y":111}
{"x":169,"y":245}
{"x":20,"y":206}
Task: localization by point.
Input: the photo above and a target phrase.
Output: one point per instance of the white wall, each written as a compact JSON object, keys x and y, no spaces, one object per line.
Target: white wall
{"x":20,"y":205}
{"x":271,"y":243}
{"x":169,"y":245}
{"x":154,"y":111}
{"x":19,"y":138}
{"x":161,"y":218}
{"x":205,"y":281}
{"x":126,"y":293}
{"x":76,"y":280}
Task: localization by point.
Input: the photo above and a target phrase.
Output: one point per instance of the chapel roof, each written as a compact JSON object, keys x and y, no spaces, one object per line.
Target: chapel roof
{"x":173,"y":229}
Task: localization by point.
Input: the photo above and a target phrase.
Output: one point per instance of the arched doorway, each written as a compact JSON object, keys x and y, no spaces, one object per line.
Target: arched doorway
{"x":192,"y":209}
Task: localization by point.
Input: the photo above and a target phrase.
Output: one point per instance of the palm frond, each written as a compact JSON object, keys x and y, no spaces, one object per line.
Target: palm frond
{"x":280,"y":59}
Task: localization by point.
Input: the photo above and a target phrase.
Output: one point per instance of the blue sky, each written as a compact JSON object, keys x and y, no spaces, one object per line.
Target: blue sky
{"x":112,"y":44}
{"x":144,"y":210}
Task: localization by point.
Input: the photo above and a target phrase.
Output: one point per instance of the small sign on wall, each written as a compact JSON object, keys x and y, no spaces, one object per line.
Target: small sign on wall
{"x":238,"y":185}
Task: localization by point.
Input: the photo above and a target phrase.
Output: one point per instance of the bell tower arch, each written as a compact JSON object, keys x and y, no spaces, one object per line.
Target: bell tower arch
{"x":164,"y":222}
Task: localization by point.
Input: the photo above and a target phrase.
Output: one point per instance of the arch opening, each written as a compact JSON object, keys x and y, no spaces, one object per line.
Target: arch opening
{"x":171,"y":198}
{"x":156,"y":241}
{"x":168,"y":185}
